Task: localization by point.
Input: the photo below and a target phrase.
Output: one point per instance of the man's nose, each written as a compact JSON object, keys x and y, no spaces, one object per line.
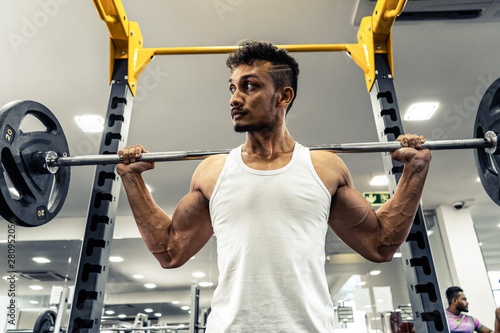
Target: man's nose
{"x":235,"y":100}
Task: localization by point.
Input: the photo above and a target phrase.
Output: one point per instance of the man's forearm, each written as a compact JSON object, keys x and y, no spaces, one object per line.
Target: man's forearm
{"x":152,"y":221}
{"x":396,"y":215}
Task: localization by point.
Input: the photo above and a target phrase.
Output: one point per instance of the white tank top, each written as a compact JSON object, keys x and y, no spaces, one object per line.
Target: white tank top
{"x":271,"y":227}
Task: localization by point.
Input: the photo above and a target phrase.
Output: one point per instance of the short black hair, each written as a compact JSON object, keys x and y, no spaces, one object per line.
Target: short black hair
{"x":285,"y":72}
{"x":452,"y":293}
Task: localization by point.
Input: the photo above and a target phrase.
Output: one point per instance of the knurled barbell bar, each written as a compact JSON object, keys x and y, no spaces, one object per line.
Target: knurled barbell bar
{"x":49,"y":162}
{"x":35,"y":178}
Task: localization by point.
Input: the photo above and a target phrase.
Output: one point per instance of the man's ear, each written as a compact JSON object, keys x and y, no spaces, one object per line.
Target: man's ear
{"x":285,"y":96}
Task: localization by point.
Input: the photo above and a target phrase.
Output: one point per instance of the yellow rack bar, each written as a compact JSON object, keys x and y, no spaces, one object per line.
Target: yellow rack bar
{"x":229,"y":49}
{"x":126,"y":42}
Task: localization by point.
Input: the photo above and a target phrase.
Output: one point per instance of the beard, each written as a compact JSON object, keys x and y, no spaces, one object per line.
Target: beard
{"x":258,"y":127}
{"x":261,"y":126}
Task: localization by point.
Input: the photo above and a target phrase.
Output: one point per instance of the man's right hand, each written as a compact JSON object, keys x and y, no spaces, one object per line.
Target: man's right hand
{"x":130,"y":164}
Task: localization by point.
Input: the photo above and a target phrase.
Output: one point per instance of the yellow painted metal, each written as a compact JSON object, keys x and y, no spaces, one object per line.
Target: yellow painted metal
{"x":395,"y":12}
{"x":139,"y":57}
{"x":384,"y":15}
{"x":363,"y":52}
{"x":374,"y":36}
{"x":229,"y":49}
{"x":113,"y":14}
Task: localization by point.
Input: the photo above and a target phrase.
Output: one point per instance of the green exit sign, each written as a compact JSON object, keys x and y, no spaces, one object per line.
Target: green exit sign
{"x":376,"y":198}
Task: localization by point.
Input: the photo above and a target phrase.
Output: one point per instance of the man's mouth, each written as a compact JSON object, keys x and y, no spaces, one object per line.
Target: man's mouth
{"x":237,"y":113}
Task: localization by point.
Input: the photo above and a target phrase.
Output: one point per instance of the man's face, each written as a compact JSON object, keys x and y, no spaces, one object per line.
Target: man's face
{"x":253,"y":100}
{"x":462,"y":304}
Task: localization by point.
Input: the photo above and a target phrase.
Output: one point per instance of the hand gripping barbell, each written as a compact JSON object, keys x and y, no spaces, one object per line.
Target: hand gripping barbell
{"x":35,"y":178}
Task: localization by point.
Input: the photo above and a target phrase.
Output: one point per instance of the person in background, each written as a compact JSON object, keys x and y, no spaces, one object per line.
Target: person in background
{"x":458,"y":321}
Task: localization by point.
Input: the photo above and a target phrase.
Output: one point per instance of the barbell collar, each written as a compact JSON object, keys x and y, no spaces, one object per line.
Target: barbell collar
{"x":489,"y":143}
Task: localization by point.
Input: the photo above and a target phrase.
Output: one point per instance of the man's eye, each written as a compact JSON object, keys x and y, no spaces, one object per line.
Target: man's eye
{"x":232,"y":89}
{"x":249,"y":86}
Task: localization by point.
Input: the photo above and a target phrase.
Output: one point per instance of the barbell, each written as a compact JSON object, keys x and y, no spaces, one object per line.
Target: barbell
{"x":35,"y":178}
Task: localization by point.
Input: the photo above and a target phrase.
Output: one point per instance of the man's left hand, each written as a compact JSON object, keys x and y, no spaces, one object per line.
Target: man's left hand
{"x":411,"y":150}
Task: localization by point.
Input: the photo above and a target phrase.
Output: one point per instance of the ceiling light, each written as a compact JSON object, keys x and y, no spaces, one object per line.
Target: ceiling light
{"x":499,"y":225}
{"x":157,"y":314}
{"x":480,"y":244}
{"x":478,"y":179}
{"x":122,"y":316}
{"x":185,"y":307}
{"x":175,"y":302}
{"x":205,"y":284}
{"x":3,"y":241}
{"x":362,"y":283}
{"x":198,"y":274}
{"x":375,"y":272}
{"x":430,"y":232}
{"x":397,"y":255}
{"x":36,"y":287}
{"x":148,"y":310}
{"x":115,"y":259}
{"x":33,"y":302}
{"x":109,"y":312}
{"x":41,"y":260}
{"x":10,"y":277}
{"x":90,"y":123}
{"x":138,"y":276}
{"x":379,"y":181}
{"x":421,"y":111}
{"x":182,"y":325}
{"x":150,"y":285}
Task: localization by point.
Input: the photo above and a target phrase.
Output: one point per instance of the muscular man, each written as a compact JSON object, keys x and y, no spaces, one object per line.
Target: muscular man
{"x":458,"y":322}
{"x":269,"y":203}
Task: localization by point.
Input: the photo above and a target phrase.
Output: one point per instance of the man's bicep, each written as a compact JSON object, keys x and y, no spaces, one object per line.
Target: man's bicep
{"x":354,"y":221}
{"x":350,"y":210}
{"x":191,"y":228}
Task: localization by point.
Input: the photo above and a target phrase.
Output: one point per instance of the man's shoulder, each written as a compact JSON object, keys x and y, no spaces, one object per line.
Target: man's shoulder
{"x":206,"y":174}
{"x":328,"y":160}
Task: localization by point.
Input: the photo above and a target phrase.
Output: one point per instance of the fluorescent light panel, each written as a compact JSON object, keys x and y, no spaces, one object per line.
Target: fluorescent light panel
{"x":90,"y":123}
{"x":379,"y":181}
{"x":41,"y":260}
{"x":421,"y":111}
{"x":198,"y":274}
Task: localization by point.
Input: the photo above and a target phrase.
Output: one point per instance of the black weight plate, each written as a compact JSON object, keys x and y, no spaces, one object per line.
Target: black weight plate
{"x":45,"y":322}
{"x":488,"y":119}
{"x":37,"y":197}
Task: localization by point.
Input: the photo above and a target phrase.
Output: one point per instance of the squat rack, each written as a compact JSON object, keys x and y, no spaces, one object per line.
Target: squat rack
{"x":128,"y":58}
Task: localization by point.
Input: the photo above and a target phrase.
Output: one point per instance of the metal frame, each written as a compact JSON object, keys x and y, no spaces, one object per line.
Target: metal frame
{"x":421,"y":278}
{"x":93,"y":267}
{"x":126,"y":42}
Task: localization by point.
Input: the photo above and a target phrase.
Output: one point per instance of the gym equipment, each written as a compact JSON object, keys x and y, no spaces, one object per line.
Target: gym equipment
{"x":36,"y":173}
{"x":45,"y":322}
{"x":487,"y":163}
{"x":37,"y":197}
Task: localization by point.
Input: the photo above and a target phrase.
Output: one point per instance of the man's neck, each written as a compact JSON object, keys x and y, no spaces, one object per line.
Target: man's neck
{"x":269,"y":144}
{"x":454,"y":311}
